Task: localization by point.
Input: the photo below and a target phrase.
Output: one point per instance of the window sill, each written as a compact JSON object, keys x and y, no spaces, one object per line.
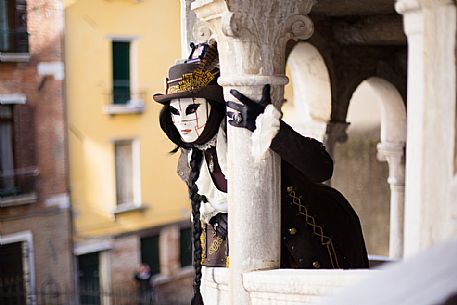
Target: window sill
{"x":132,"y":107}
{"x":128,"y":207}
{"x":184,"y":272}
{"x":14,"y":57}
{"x":14,"y":98}
{"x":18,"y":200}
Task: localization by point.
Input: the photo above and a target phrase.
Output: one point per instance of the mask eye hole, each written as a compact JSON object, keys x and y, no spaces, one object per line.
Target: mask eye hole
{"x":192,"y":108}
{"x":174,"y":111}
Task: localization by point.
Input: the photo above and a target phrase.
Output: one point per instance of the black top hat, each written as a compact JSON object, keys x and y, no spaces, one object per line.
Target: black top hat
{"x":194,"y":78}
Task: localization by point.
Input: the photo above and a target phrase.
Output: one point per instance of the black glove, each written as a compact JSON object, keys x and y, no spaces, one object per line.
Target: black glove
{"x":220,"y":224}
{"x":249,"y":110}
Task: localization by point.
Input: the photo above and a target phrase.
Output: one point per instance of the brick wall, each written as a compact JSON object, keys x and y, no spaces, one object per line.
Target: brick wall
{"x":40,"y":141}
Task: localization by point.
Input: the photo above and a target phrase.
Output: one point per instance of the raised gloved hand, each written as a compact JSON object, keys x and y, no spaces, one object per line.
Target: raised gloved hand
{"x":249,"y":110}
{"x":220,"y":224}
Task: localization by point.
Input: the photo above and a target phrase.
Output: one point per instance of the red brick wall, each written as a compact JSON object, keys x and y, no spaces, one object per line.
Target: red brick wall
{"x":40,"y":140}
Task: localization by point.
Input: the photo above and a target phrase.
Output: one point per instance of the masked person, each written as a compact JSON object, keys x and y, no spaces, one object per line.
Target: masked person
{"x":319,"y":228}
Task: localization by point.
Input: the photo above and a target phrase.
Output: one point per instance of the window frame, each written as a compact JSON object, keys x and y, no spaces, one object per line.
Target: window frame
{"x":26,"y":238}
{"x":121,"y":65}
{"x":135,"y":203}
{"x":135,"y":102}
{"x":24,"y":176}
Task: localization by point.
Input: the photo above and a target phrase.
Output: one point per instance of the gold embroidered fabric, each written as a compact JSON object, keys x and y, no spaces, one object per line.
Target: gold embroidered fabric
{"x":203,"y":243}
{"x":191,"y":81}
{"x":199,"y":78}
{"x":317,"y":230}
{"x":215,"y":245}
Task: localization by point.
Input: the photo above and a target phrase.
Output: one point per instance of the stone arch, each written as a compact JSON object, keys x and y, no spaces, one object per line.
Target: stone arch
{"x":392,"y":149}
{"x":393,"y":111}
{"x":392,"y":140}
{"x":308,"y":95}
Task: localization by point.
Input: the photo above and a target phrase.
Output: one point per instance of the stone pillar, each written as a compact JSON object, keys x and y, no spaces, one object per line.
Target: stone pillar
{"x":335,"y":132}
{"x":169,"y":250}
{"x":393,"y":154}
{"x":430,"y":26}
{"x":105,"y":276}
{"x":251,"y":37}
{"x":188,"y":20}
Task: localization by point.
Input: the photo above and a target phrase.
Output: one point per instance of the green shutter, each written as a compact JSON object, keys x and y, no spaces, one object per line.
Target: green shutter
{"x":121,"y":72}
{"x":185,"y":247}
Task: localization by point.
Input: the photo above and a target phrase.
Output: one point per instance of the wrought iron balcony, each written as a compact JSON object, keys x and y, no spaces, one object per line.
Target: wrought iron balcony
{"x":14,"y":41}
{"x":18,"y":186}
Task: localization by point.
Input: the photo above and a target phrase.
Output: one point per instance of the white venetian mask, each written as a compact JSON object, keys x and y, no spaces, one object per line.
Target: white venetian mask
{"x":189,"y":116}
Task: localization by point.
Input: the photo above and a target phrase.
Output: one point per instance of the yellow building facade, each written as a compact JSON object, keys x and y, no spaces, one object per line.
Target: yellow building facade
{"x":129,"y":204}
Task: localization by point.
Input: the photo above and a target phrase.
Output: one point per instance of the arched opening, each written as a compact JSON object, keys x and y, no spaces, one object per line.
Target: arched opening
{"x":377,"y":132}
{"x":308,"y":97}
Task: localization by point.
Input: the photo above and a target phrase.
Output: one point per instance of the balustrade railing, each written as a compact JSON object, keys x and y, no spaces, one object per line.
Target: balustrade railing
{"x":18,"y":182}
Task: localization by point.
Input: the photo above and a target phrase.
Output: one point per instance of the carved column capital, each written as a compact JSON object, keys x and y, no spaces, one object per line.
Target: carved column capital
{"x":247,"y":26}
{"x":394,"y":154}
{"x":255,"y":30}
{"x":410,"y":6}
{"x":407,"y":6}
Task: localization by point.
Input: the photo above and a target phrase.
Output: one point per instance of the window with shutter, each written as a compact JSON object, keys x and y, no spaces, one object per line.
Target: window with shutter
{"x":124,"y":172}
{"x":121,"y":72}
{"x":185,"y":247}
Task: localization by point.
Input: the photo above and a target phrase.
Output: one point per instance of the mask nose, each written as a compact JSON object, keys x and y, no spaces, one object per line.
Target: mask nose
{"x":180,"y":119}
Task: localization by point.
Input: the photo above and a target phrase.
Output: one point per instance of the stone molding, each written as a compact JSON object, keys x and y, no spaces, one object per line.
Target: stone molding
{"x":13,"y":98}
{"x":281,"y":286}
{"x":14,"y":57}
{"x":55,"y":69}
{"x":93,"y":245}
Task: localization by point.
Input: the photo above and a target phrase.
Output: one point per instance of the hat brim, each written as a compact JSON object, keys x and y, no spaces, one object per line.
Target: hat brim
{"x":212,"y":92}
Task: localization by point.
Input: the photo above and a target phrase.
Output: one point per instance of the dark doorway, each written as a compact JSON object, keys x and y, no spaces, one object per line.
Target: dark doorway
{"x":150,"y":252}
{"x":89,"y":279}
{"x":12,"y":290}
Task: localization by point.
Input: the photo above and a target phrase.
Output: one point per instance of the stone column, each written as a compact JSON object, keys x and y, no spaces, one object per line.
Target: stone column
{"x":430,"y":26}
{"x":188,"y":20}
{"x":393,"y":154}
{"x":251,"y":37}
{"x":169,"y":250}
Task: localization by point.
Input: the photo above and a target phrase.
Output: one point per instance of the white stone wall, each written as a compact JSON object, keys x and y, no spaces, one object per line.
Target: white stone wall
{"x":281,"y":286}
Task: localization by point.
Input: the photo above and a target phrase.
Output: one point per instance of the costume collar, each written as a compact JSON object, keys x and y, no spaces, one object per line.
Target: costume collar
{"x":208,"y":144}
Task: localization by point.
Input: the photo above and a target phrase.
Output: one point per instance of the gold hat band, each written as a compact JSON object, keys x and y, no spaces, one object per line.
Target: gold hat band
{"x":190,"y":81}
